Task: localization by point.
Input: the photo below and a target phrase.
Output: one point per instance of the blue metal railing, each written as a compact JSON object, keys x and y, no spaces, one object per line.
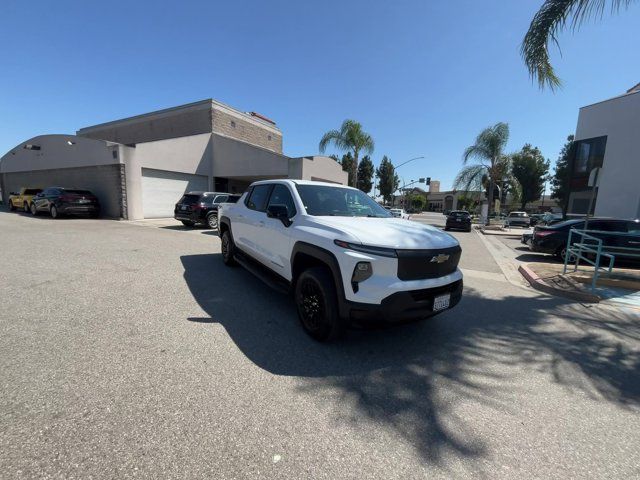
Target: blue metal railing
{"x":594,"y":247}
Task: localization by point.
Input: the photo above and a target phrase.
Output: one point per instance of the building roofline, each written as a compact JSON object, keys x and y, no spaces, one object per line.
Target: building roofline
{"x":626,"y":94}
{"x":187,"y":106}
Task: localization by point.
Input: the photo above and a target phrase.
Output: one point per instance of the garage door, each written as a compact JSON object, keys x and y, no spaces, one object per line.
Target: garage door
{"x":161,"y":190}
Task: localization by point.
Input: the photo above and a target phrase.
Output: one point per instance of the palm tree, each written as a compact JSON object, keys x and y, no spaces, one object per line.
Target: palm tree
{"x":553,"y":16}
{"x":351,"y":137}
{"x":488,"y":149}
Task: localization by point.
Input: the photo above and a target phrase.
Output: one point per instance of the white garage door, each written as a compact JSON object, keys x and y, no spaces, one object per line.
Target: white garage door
{"x":161,"y":190}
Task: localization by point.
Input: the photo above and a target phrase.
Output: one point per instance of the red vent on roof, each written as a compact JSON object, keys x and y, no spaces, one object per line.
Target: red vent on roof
{"x":262,"y":117}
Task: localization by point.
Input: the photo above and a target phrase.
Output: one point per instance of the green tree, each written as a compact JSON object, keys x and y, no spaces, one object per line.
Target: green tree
{"x":467,"y":202}
{"x":553,"y":17}
{"x":560,"y":186}
{"x":365,"y":174}
{"x":417,"y":201}
{"x":388,"y":181}
{"x":347,"y":165}
{"x":488,"y":150}
{"x":530,"y":169}
{"x":352,"y":138}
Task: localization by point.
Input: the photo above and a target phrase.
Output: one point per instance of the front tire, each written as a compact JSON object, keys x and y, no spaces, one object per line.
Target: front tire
{"x":212,"y":221}
{"x":25,"y":207}
{"x":317,"y":304}
{"x":34,"y":210}
{"x":228,"y":249}
{"x":54,"y":212}
{"x":12,"y":207}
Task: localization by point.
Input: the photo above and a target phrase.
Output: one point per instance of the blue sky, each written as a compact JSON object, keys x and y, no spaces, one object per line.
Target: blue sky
{"x":422,"y":77}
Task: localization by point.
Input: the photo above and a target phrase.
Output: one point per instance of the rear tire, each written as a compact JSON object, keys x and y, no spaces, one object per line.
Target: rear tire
{"x":54,"y":212}
{"x":34,"y":210}
{"x":25,"y":207}
{"x":12,"y":207}
{"x":228,"y":249}
{"x":212,"y":221}
{"x":187,"y":223}
{"x":561,"y":253}
{"x":317,"y":304}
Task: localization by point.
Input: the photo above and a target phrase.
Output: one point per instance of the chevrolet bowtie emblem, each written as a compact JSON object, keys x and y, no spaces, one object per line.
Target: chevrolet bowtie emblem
{"x":440,"y":258}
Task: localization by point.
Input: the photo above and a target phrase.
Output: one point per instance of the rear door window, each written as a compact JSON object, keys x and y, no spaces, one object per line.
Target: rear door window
{"x":258,"y":197}
{"x":221,"y":199}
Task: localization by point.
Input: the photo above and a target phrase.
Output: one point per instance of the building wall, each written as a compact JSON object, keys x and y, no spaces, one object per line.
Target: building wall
{"x":232,"y":158}
{"x":619,"y":120}
{"x":319,"y":168}
{"x":171,"y":123}
{"x":228,"y":123}
{"x":107,"y":182}
{"x":56,"y":152}
{"x":187,"y":120}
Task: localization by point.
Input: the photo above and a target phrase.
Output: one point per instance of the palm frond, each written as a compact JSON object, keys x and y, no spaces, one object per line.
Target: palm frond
{"x":470,"y":178}
{"x":547,"y":23}
{"x":332,"y":136}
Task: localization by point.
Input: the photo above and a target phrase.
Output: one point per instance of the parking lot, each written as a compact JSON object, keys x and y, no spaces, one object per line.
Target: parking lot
{"x":129,"y":350}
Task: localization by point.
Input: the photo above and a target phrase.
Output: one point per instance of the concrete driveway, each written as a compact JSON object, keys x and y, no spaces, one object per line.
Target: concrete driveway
{"x":133,"y":352}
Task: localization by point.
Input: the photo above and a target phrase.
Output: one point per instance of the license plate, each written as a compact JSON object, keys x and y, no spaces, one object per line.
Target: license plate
{"x":441,"y":302}
{"x":84,"y":201}
{"x":183,"y":207}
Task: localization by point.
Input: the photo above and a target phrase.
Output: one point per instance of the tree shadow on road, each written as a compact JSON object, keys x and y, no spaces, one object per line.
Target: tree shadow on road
{"x":413,"y":378}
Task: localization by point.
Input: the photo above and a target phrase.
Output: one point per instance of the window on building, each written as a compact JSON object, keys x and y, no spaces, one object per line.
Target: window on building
{"x":233,"y":124}
{"x":268,"y":137}
{"x":589,"y":154}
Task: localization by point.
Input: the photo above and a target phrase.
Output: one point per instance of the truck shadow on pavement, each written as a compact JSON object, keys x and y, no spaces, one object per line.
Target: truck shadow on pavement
{"x":414,"y":379}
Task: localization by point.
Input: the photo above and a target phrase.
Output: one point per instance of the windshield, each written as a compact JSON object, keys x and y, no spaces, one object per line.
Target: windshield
{"x":324,"y":200}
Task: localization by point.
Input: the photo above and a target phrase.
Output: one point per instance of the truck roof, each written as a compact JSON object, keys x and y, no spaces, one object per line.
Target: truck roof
{"x":300,"y":182}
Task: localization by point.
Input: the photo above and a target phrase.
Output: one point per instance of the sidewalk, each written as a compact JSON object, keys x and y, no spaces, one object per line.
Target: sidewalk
{"x":622,"y":286}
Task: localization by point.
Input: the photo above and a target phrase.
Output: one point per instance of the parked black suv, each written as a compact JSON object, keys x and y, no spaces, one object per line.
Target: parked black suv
{"x":553,"y":239}
{"x":201,"y":207}
{"x":458,"y":219}
{"x":58,"y":201}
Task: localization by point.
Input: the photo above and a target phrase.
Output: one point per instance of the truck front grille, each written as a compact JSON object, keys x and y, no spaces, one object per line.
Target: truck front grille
{"x":423,"y":264}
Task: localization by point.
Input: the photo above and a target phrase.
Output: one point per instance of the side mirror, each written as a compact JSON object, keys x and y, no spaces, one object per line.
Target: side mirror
{"x":281,"y":212}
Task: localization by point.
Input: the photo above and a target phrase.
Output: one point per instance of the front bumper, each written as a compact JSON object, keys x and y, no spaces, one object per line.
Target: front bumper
{"x":404,"y":306}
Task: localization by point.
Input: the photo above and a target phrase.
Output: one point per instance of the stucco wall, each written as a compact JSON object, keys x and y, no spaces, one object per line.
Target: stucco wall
{"x":165,"y":124}
{"x":232,"y":158}
{"x":619,"y":120}
{"x":56,"y":152}
{"x":318,"y":168}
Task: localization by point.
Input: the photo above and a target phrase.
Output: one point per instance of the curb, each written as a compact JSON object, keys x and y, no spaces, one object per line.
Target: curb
{"x":536,"y":282}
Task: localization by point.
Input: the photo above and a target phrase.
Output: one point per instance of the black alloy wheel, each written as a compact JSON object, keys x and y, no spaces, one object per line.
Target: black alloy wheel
{"x":227,"y":249}
{"x":317,"y":304}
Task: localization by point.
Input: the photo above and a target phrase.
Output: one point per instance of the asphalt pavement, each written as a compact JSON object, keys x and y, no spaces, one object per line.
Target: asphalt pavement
{"x":129,"y":351}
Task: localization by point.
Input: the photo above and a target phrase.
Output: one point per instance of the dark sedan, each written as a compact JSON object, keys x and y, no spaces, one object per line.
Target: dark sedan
{"x":553,"y":239}
{"x":458,"y":220}
{"x":201,"y":207}
{"x":58,"y":201}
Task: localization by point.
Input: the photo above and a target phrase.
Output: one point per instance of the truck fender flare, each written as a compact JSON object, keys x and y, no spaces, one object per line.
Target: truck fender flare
{"x":329,"y":259}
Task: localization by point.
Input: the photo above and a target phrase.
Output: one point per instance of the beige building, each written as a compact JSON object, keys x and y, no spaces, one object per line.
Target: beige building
{"x":140,"y":166}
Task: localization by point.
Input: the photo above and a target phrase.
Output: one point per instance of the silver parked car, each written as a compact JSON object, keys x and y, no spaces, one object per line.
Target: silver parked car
{"x":518,"y":219}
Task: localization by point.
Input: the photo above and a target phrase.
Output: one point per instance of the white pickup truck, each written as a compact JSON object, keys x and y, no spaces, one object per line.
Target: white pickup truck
{"x":344,"y":257}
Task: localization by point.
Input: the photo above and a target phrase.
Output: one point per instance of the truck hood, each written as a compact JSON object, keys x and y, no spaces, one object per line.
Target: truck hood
{"x":389,"y":232}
